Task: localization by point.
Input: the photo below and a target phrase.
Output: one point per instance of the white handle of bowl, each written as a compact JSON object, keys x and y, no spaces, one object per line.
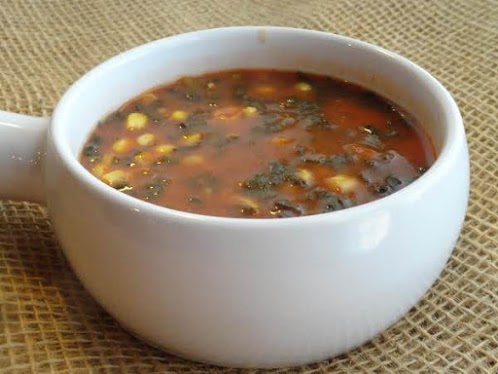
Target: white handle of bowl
{"x":22,"y":153}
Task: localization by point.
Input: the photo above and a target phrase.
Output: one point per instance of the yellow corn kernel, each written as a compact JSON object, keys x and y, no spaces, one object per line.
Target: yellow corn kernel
{"x":122,"y":145}
{"x":246,"y":202}
{"x":303,"y":86}
{"x":148,"y":98}
{"x":114,"y":177}
{"x":165,"y":148}
{"x":192,"y":139}
{"x":98,"y":170}
{"x":145,"y":139}
{"x":179,"y":115}
{"x":193,"y":160}
{"x":305,"y":175}
{"x":342,"y":183}
{"x":281,"y":140}
{"x":136,"y":121}
{"x":250,"y":111}
{"x":107,"y":159}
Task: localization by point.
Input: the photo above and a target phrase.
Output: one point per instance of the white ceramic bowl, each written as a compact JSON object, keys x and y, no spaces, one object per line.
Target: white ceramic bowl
{"x":245,"y":292}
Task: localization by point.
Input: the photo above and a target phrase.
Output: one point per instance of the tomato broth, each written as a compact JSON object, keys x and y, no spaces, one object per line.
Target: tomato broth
{"x":258,"y":143}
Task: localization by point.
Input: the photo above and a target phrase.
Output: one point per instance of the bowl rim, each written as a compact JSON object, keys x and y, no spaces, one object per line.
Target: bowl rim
{"x":450,"y":145}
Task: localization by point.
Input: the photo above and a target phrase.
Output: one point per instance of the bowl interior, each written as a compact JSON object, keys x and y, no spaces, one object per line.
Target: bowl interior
{"x":111,"y":84}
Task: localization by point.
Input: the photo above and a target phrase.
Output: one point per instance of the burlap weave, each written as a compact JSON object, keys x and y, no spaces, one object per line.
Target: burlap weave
{"x":49,"y":324}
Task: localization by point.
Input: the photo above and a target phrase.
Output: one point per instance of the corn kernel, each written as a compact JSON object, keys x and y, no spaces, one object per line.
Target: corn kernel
{"x":122,"y":145}
{"x":136,"y":121}
{"x":192,"y":139}
{"x":179,"y":115}
{"x":193,"y":160}
{"x":246,"y":202}
{"x":250,"y":111}
{"x":114,"y":177}
{"x":165,"y":148}
{"x":145,"y":139}
{"x":98,"y":170}
{"x":107,"y":159}
{"x":303,"y":86}
{"x":342,"y":183}
{"x":306,"y":176}
{"x":281,"y":140}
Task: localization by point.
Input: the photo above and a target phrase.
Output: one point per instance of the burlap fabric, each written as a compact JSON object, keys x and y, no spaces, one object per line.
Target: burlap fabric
{"x":49,"y":324}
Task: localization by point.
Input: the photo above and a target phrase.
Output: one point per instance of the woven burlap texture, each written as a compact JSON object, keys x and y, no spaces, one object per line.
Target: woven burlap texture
{"x":49,"y":324}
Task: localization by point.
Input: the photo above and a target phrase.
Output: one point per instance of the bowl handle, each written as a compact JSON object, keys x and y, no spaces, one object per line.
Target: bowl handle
{"x":22,"y":154}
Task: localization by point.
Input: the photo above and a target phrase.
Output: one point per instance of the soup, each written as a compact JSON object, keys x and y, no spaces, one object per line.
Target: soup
{"x":258,"y":143}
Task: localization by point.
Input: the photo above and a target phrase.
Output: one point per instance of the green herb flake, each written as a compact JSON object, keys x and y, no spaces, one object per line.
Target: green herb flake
{"x":328,"y":201}
{"x":91,"y":151}
{"x":285,"y":208}
{"x":276,"y":174}
{"x":155,"y":188}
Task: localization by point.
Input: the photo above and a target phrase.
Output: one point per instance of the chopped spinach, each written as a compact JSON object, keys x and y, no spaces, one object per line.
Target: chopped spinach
{"x":276,"y":174}
{"x":328,"y":201}
{"x":386,"y":186}
{"x":334,"y":161}
{"x":285,"y":208}
{"x":393,"y":182}
{"x":258,"y":183}
{"x":240,"y":94}
{"x":274,"y":123}
{"x":311,"y":115}
{"x":91,"y":151}
{"x":155,"y":188}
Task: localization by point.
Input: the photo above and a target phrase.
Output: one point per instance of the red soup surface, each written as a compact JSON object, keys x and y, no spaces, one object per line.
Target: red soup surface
{"x":258,"y":143}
